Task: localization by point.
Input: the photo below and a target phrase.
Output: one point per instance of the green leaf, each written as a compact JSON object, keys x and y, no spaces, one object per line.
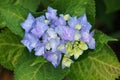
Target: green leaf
{"x":41,"y":71}
{"x":90,"y":11}
{"x":32,"y":5}
{"x":116,"y":35}
{"x":10,"y":49}
{"x":100,"y":66}
{"x":13,"y":16}
{"x":2,"y":23}
{"x":38,"y":60}
{"x":101,"y":39}
{"x":76,"y":8}
{"x":61,"y":5}
{"x":7,"y":1}
{"x":112,"y":5}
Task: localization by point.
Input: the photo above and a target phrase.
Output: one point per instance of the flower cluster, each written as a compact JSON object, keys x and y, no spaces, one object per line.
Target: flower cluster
{"x":52,"y":36}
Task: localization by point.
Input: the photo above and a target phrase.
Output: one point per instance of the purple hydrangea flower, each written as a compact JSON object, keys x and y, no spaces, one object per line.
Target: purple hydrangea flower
{"x":28,"y":23}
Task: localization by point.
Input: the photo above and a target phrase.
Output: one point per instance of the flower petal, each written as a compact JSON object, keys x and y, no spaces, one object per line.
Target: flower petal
{"x":28,"y":23}
{"x":54,"y":58}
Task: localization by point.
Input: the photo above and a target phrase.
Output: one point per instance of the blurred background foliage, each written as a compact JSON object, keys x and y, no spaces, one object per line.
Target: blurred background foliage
{"x":107,"y":20}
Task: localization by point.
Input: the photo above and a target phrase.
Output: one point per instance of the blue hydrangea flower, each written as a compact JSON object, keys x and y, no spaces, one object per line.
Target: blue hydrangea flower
{"x":28,"y":23}
{"x":52,"y":36}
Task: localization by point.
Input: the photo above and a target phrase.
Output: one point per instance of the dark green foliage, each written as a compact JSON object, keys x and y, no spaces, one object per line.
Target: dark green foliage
{"x":10,"y":49}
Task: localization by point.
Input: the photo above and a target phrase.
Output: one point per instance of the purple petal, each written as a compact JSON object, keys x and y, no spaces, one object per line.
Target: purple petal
{"x":28,"y":23}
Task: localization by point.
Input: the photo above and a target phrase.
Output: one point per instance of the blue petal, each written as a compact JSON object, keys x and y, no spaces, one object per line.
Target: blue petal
{"x":59,"y":29}
{"x":39,"y":49}
{"x":51,"y":14}
{"x":67,"y":34}
{"x":72,"y":22}
{"x":39,"y":29}
{"x":54,"y":44}
{"x":51,"y":32}
{"x":86,"y":26}
{"x":54,"y":58}
{"x":45,"y":38}
{"x":28,"y":23}
{"x":85,"y":36}
{"x":91,"y":43}
{"x":29,"y":41}
{"x":41,"y":18}
{"x":60,"y":21}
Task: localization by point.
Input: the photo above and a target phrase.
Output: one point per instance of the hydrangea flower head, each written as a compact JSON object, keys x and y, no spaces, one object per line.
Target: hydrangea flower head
{"x":52,"y":36}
